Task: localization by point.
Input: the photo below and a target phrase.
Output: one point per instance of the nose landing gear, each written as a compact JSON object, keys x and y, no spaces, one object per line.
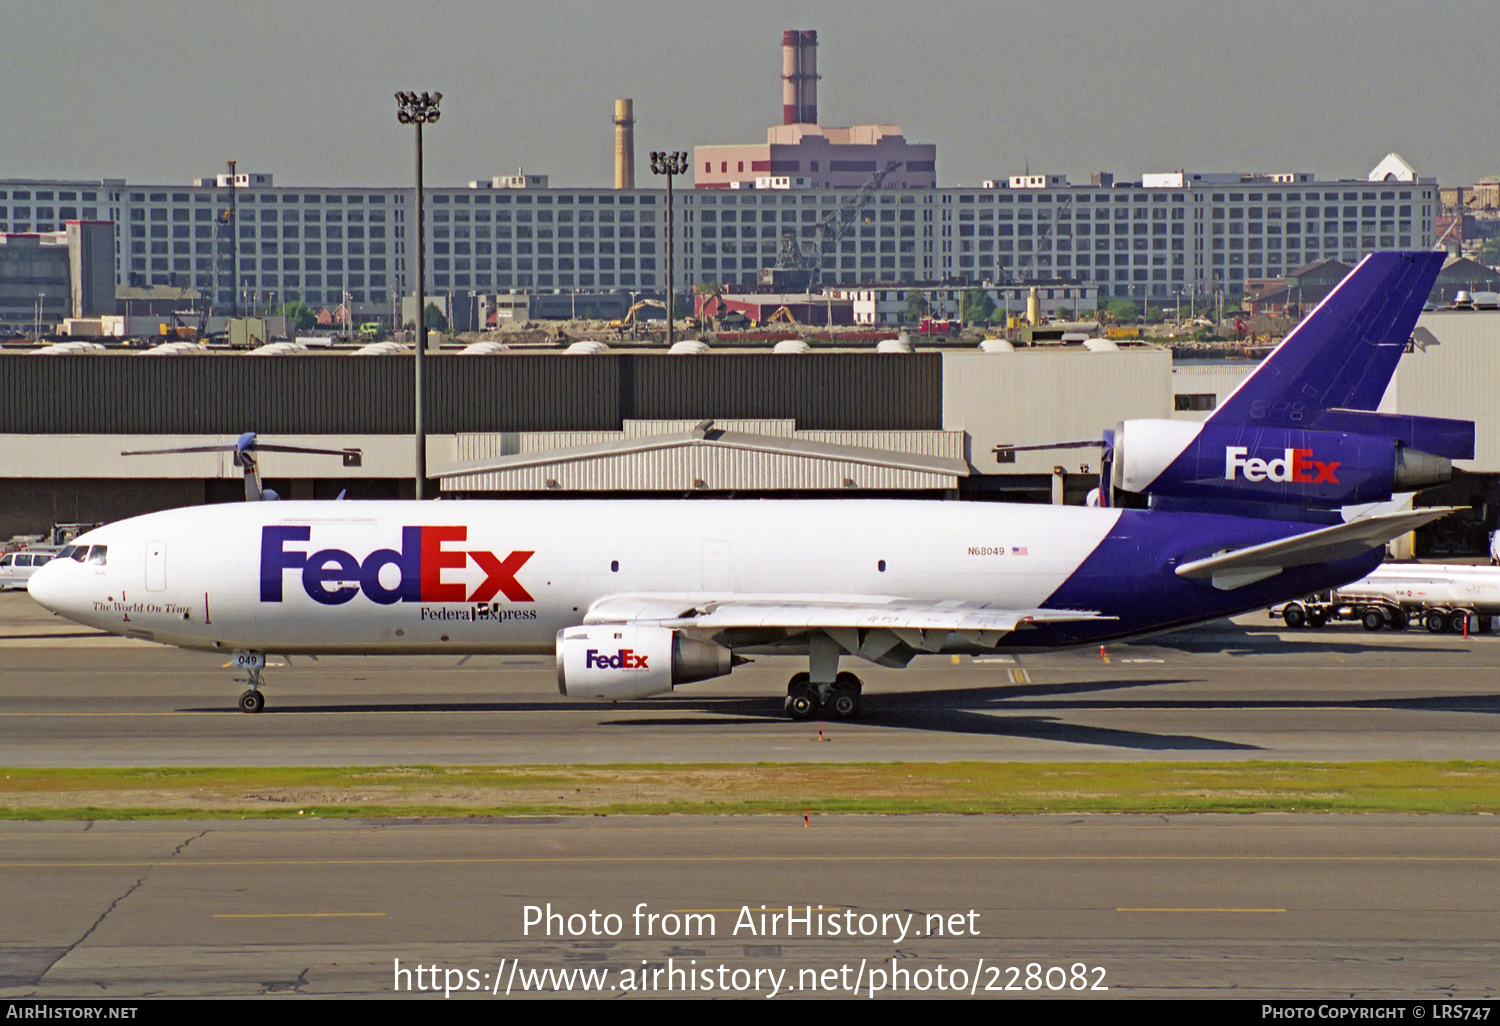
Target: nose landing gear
{"x":251,"y":700}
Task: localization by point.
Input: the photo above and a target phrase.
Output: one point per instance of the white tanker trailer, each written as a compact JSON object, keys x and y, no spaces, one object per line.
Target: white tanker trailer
{"x":1441,"y":597}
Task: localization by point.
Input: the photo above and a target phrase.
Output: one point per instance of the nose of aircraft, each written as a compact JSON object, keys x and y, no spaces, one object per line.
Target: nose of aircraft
{"x":47,"y":587}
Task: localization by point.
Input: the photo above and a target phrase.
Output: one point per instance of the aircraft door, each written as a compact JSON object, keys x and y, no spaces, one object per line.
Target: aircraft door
{"x":156,"y":566}
{"x":716,"y":567}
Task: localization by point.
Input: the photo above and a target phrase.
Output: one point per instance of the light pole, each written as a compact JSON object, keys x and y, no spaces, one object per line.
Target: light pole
{"x":234,"y":240}
{"x":671,"y":165}
{"x":415,"y":109}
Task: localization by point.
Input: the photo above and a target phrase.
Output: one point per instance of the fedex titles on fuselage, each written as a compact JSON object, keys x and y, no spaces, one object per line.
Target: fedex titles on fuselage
{"x":333,"y":576}
{"x":1294,"y":465}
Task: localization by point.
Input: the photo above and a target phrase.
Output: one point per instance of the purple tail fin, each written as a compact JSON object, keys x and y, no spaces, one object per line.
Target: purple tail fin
{"x":1342,"y":356}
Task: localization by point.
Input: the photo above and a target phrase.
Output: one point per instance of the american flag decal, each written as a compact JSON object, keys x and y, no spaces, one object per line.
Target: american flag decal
{"x":1018,"y":550}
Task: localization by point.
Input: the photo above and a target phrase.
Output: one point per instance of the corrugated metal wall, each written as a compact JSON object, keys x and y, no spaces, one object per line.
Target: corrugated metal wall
{"x":683,"y":470}
{"x":1459,"y":377}
{"x":341,"y":395}
{"x":677,"y":470}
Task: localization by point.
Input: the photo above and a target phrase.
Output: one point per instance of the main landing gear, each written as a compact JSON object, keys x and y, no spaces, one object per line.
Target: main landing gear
{"x":823,"y":690}
{"x":251,"y":700}
{"x":838,"y":701}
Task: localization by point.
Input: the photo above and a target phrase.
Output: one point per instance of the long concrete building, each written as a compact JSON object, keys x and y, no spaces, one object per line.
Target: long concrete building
{"x":1169,"y":236}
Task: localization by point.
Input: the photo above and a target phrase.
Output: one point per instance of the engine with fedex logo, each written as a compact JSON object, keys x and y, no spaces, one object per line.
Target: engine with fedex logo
{"x":621,"y":661}
{"x":1268,"y":464}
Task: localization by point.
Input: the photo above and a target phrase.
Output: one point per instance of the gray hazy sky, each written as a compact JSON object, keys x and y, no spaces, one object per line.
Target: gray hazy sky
{"x":167,"y":90}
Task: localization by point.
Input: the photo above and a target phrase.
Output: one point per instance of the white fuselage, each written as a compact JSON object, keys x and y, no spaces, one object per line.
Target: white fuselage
{"x":329,"y":577}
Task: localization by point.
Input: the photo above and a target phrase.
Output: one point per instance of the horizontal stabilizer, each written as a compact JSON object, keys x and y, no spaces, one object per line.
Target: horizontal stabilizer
{"x":1440,"y":436}
{"x":1235,"y":569}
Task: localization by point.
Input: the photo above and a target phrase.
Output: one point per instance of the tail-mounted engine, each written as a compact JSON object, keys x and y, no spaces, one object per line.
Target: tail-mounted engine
{"x":1256,"y":463}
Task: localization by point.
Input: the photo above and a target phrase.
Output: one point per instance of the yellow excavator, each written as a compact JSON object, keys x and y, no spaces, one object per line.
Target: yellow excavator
{"x":629,"y":320}
{"x":782,"y":314}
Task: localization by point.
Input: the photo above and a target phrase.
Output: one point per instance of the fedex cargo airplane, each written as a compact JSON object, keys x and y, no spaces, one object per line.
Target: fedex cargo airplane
{"x":1193,"y":521}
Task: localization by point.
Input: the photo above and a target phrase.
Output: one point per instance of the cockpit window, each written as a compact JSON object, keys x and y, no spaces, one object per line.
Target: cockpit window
{"x":67,"y":552}
{"x":98,"y":555}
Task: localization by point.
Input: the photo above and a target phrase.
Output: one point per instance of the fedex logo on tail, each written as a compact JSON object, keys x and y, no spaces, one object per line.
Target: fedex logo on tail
{"x":334,"y":576}
{"x":624,"y":659}
{"x":1295,"y":465}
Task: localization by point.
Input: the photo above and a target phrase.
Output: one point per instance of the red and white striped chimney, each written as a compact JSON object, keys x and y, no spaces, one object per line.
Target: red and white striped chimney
{"x":808,"y":77}
{"x":791,"y":77}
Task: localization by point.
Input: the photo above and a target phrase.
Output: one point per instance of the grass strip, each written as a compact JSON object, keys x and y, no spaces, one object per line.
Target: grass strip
{"x":762,"y":788}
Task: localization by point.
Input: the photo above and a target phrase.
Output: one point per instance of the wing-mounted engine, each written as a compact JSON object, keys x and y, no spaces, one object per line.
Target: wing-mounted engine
{"x":623,"y":661}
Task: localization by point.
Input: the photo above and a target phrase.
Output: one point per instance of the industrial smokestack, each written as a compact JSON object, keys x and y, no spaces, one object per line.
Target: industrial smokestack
{"x":791,"y":89}
{"x":808,"y":85}
{"x":624,"y":144}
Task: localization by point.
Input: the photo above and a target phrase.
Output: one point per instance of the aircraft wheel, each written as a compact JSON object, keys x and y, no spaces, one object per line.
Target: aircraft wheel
{"x":799,"y":682}
{"x":849,"y":682}
{"x":843,"y":702}
{"x":1456,"y":620}
{"x":1435,"y":621}
{"x":801,"y":705}
{"x":252,"y":701}
{"x":1372,"y":618}
{"x":844,"y":705}
{"x":1294,"y":615}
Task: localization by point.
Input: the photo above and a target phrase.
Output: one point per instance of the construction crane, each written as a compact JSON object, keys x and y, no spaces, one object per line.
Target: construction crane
{"x":1028,"y":270}
{"x":799,"y":263}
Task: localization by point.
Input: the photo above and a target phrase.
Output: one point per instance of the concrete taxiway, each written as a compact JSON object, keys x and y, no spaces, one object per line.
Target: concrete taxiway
{"x":1269,"y":906}
{"x":1248,"y":689}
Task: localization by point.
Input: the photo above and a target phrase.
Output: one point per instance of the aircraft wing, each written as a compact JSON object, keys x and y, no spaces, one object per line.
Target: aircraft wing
{"x":1239,"y":567}
{"x":849,"y":619}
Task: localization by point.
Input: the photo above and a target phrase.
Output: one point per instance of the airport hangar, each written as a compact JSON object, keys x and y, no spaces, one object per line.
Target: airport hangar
{"x":630,"y":422}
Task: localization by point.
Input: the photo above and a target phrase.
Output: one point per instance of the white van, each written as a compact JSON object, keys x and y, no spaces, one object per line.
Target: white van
{"x":17,"y":567}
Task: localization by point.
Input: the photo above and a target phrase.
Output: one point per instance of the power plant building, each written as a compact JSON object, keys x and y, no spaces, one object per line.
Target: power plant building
{"x":826,"y":157}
